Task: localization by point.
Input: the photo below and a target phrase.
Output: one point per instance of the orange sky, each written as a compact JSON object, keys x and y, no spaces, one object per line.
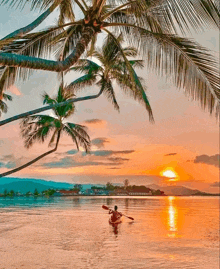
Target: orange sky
{"x":125,"y":144}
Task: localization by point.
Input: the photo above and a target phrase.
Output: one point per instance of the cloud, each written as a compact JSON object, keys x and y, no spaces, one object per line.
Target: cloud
{"x":7,"y":165}
{"x":100,"y":142}
{"x":94,"y":121}
{"x":101,"y":153}
{"x":114,"y":168}
{"x":72,"y":152}
{"x":94,"y":158}
{"x":211,"y":160}
{"x":170,"y":154}
{"x":7,"y":161}
{"x":110,"y":152}
{"x":215,"y":184}
{"x":8,"y":157}
{"x":118,"y":159}
{"x":68,"y":162}
{"x":14,"y":90}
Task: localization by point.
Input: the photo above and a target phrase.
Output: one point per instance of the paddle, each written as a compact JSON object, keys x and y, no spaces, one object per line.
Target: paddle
{"x":107,"y":208}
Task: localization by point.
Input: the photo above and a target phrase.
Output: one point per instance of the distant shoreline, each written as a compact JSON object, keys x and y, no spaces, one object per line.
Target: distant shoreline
{"x":94,"y":195}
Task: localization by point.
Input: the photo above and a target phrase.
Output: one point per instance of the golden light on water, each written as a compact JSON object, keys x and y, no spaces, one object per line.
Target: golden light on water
{"x":172,"y":218}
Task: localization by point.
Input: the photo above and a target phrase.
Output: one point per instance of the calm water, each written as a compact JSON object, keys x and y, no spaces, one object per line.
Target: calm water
{"x":168,"y":232}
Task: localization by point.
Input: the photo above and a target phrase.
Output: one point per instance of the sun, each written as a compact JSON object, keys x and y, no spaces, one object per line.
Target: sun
{"x":169,"y":173}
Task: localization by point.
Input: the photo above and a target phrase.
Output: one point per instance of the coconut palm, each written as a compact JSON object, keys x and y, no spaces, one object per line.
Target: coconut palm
{"x":153,"y":26}
{"x":3,"y":105}
{"x":112,"y":68}
{"x":39,"y":127}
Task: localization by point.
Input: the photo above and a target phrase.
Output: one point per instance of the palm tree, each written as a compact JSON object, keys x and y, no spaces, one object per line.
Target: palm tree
{"x":39,"y":127}
{"x":113,"y":67}
{"x":153,"y":26}
{"x":3,"y":105}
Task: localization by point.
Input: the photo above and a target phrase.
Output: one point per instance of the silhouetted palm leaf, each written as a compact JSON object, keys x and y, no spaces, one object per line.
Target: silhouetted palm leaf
{"x":38,"y":128}
{"x":3,"y":105}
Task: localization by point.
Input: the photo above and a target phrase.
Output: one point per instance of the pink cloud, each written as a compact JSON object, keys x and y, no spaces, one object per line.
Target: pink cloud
{"x":14,"y":90}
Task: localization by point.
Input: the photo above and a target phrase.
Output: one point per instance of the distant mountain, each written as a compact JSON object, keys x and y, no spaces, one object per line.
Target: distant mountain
{"x":175,"y":190}
{"x":23,"y":185}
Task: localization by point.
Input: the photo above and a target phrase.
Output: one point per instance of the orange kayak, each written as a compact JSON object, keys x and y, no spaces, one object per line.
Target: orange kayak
{"x":114,"y":223}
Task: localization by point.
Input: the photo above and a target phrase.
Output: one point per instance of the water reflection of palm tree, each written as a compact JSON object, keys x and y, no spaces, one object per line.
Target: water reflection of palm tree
{"x":109,"y":201}
{"x":126,"y":203}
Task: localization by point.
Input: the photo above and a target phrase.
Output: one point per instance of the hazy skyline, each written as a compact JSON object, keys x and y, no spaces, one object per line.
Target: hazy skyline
{"x":184,"y":138}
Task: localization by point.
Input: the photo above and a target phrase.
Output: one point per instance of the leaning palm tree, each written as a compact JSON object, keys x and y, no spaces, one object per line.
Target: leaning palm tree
{"x":112,"y":67}
{"x":153,"y":26}
{"x":39,"y":127}
{"x":3,"y":105}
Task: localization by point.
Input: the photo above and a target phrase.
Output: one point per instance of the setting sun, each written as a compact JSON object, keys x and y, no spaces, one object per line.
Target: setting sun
{"x":169,"y":174}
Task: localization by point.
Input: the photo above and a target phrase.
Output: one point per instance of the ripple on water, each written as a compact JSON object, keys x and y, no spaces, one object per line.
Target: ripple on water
{"x":69,"y":231}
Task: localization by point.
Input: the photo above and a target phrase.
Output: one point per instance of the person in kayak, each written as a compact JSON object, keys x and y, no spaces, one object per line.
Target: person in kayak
{"x":115,"y":214}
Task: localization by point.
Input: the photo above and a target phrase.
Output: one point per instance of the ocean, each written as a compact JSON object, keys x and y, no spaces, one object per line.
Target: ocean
{"x":73,"y":232}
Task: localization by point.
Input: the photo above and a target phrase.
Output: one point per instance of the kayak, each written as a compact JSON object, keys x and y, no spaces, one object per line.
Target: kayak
{"x":114,"y":223}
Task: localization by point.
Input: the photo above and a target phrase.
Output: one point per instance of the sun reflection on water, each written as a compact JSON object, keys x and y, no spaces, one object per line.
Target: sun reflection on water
{"x":172,"y":217}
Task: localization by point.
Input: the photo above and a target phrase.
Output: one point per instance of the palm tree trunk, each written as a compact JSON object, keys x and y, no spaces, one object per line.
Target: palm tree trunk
{"x":24,"y":30}
{"x":33,"y":161}
{"x":41,"y":109}
{"x":24,"y":61}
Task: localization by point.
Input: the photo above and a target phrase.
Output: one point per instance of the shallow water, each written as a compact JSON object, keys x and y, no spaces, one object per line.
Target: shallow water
{"x":73,"y":232}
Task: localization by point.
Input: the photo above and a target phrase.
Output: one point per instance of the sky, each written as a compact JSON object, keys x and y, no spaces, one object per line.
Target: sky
{"x":184,"y":139}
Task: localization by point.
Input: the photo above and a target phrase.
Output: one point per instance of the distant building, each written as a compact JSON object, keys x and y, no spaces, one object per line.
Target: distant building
{"x":57,"y":193}
{"x":100,"y":192}
{"x":67,"y":192}
{"x":89,"y":192}
{"x":120,"y":192}
{"x":140,"y":191}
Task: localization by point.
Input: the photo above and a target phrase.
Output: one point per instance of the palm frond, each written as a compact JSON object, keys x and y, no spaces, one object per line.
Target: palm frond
{"x":98,"y":54}
{"x":110,"y":48}
{"x":40,"y":44}
{"x":136,"y":86}
{"x":109,"y":92}
{"x":66,"y":12}
{"x":35,"y":4}
{"x":7,"y":78}
{"x":171,"y":15}
{"x":190,"y":65}
{"x":69,"y":132}
{"x":137,"y":63}
{"x":3,"y":107}
{"x":80,"y":134}
{"x":7,"y":97}
{"x":62,"y":95}
{"x":82,"y":82}
{"x":36,"y":44}
{"x":37,"y":128}
{"x":92,"y":45}
{"x":47,"y":99}
{"x":86,"y":66}
{"x":130,"y":51}
{"x":66,"y":41}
